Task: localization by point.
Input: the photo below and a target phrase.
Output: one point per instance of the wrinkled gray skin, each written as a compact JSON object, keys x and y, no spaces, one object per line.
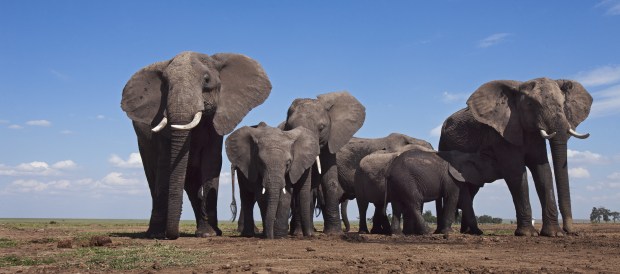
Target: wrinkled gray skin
{"x":503,"y":120}
{"x":222,"y":88}
{"x":418,"y":176}
{"x":370,"y":185}
{"x":274,"y":160}
{"x":348,"y":161}
{"x":333,"y":118}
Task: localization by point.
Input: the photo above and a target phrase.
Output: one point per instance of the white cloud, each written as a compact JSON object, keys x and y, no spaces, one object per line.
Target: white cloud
{"x":578,"y":172}
{"x":586,"y":157}
{"x":100,"y":117}
{"x":66,"y":132}
{"x":117,"y":179}
{"x":493,"y":40}
{"x":37,"y":168}
{"x":436,"y":131}
{"x":15,"y":127}
{"x":59,"y":75}
{"x":26,"y":186}
{"x":134,"y":161}
{"x":607,"y":102}
{"x":39,"y":123}
{"x":614,"y":176}
{"x":448,"y":97}
{"x":605,"y":75}
{"x":612,"y":7}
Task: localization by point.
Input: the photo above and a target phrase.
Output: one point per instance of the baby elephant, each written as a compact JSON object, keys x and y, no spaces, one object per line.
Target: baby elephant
{"x":269,"y":162}
{"x":416,"y":177}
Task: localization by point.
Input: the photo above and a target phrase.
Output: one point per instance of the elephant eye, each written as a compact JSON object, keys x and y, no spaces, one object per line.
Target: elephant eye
{"x":288,"y":163}
{"x":321,"y":126}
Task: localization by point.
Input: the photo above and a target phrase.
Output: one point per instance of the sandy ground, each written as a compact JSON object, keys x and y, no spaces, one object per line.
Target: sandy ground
{"x":595,"y":250}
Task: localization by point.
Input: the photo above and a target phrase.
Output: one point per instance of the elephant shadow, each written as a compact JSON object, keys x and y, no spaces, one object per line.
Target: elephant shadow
{"x":143,"y":235}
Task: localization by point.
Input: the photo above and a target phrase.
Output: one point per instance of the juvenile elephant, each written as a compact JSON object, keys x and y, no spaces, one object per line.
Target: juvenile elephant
{"x":271,"y":163}
{"x":370,"y":187}
{"x":510,"y":122}
{"x":348,"y":161}
{"x":203,"y":98}
{"x":333,"y":118}
{"x":416,"y":177}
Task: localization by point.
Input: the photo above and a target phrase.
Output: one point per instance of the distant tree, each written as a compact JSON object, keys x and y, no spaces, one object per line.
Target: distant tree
{"x":605,"y":213}
{"x":497,"y":220}
{"x":615,"y":215}
{"x":428,"y":217}
{"x":485,"y":219}
{"x":595,"y":216}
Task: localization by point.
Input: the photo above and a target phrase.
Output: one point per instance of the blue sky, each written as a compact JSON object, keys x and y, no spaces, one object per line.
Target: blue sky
{"x":68,"y":151}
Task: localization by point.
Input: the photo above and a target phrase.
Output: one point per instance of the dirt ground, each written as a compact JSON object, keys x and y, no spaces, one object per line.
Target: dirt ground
{"x":35,"y":248}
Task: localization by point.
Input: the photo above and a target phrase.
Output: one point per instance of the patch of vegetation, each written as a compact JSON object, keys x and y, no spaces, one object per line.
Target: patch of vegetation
{"x":12,"y":260}
{"x":4,"y":243}
{"x":139,"y":257}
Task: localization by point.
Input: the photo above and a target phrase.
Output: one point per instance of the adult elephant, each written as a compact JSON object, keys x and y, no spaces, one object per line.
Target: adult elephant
{"x":510,"y":121}
{"x":270,"y":163}
{"x":203,"y":98}
{"x":348,"y":161}
{"x":333,"y":118}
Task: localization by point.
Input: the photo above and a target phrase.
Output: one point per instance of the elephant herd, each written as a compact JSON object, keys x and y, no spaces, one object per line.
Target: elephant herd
{"x":181,"y":109}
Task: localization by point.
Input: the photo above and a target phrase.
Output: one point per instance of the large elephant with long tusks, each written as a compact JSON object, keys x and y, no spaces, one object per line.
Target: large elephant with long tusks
{"x":511,"y":122}
{"x":180,"y":109}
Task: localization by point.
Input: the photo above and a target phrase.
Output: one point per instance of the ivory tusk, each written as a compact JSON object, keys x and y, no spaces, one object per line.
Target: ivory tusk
{"x":284,"y":190}
{"x":161,"y":125}
{"x":577,"y":134}
{"x":192,"y":124}
{"x":318,"y":163}
{"x":544,"y":134}
{"x":263,"y":190}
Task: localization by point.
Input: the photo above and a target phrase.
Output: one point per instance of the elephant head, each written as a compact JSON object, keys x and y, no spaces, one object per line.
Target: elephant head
{"x":269,"y":156}
{"x":552,"y":108}
{"x":219,"y":89}
{"x":333,"y":117}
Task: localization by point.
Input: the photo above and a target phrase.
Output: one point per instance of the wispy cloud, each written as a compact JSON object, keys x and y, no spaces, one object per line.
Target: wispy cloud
{"x":15,"y":127}
{"x":133,"y":161}
{"x":37,"y":168}
{"x":606,"y":102}
{"x":578,"y":172}
{"x":448,"y":97}
{"x":66,"y":132}
{"x":436,"y":131}
{"x":59,"y":75}
{"x":493,"y":40}
{"x":586,"y":157}
{"x":39,"y":123}
{"x":605,"y":75}
{"x":612,"y":7}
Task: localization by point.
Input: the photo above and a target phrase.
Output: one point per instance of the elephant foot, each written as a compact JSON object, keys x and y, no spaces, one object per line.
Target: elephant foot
{"x":446,"y":230}
{"x":526,"y":231}
{"x":363,"y":231}
{"x":208,"y":232}
{"x":551,"y":231}
{"x":375,"y":230}
{"x":471,"y":231}
{"x":155,"y":235}
{"x":332,"y":230}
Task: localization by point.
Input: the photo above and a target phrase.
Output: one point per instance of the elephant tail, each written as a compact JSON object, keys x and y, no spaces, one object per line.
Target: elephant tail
{"x":233,"y":204}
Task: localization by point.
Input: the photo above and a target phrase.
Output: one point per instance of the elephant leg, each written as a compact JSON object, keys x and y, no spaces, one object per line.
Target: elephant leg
{"x":520,"y":197}
{"x":362,"y":205}
{"x":439,"y":207}
{"x":413,"y":222}
{"x":210,"y":167}
{"x":345,"y":216}
{"x":396,"y":218}
{"x":155,"y":156}
{"x":295,"y":228}
{"x":469,"y":224}
{"x":380,"y":223}
{"x":333,"y":192}
{"x":543,"y":181}
{"x":247,"y":207}
{"x":451,"y":198}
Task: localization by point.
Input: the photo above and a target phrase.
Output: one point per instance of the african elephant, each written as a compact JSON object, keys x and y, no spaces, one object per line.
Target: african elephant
{"x":272,"y":162}
{"x":333,"y":118}
{"x":203,"y":98}
{"x":510,"y":121}
{"x":369,"y":184}
{"x":348,"y":161}
{"x":418,"y":176}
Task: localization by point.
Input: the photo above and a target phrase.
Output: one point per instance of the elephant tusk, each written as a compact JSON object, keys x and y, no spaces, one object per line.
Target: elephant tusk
{"x":318,"y":164}
{"x":161,"y":125}
{"x":192,"y":124}
{"x":577,"y":134}
{"x":284,"y":190}
{"x":544,"y":134}
{"x":263,"y":190}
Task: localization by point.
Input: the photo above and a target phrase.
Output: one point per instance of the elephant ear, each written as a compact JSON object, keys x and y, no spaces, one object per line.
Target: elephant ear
{"x":244,"y":85}
{"x":304,"y":151}
{"x":462,"y":168}
{"x":241,"y":150}
{"x":494,"y":104}
{"x":347,"y":116}
{"x":145,"y":94}
{"x":577,"y":103}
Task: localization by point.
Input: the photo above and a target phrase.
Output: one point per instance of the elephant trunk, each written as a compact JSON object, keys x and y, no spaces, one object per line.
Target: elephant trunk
{"x":179,"y":152}
{"x":273,"y":200}
{"x":560,"y":170}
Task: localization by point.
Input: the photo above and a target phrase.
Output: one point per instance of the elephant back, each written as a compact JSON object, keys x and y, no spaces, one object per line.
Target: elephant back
{"x":462,"y":132}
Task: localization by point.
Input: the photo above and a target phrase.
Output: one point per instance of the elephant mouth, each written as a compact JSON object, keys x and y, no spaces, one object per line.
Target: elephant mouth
{"x":162,"y":124}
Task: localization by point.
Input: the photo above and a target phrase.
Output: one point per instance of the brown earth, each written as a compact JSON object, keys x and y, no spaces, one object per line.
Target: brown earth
{"x":596,"y":248}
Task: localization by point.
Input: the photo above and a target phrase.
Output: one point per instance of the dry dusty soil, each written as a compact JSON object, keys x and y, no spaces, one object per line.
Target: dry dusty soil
{"x":36,"y":246}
